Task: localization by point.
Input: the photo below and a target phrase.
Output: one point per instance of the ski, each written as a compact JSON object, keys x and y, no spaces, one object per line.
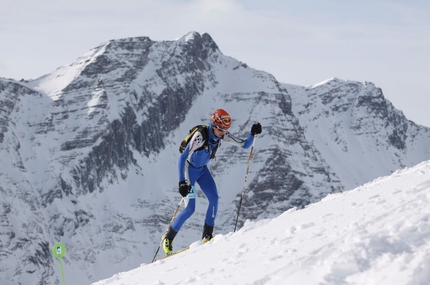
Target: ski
{"x":197,"y":243}
{"x":175,"y":253}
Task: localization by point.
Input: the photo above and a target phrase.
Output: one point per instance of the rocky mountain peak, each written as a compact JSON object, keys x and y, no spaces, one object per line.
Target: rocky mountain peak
{"x":89,"y":152}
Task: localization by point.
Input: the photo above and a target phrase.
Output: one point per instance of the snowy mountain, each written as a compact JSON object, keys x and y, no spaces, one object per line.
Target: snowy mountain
{"x":355,"y":127}
{"x":89,"y":151}
{"x":376,"y":234}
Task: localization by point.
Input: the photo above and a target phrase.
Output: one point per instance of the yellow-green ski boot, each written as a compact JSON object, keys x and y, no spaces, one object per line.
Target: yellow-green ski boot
{"x":167,"y":245}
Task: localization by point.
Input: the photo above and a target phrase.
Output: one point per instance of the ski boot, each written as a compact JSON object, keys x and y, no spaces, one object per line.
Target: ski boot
{"x":167,"y":241}
{"x":207,"y":233}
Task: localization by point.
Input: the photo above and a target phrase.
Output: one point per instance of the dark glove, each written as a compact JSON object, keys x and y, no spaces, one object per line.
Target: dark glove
{"x":256,"y":129}
{"x":184,"y":188}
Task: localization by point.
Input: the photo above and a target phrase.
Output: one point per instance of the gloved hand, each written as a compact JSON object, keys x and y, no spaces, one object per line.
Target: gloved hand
{"x":256,"y":129}
{"x":184,"y":188}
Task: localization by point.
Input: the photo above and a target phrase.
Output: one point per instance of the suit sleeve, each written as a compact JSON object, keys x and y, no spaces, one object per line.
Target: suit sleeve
{"x":244,"y":143}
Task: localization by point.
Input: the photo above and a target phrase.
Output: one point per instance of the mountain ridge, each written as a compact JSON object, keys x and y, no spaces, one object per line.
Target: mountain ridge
{"x":91,"y":151}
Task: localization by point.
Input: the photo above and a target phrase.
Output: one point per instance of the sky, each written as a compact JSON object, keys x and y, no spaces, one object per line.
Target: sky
{"x":299,"y":42}
{"x":376,"y":234}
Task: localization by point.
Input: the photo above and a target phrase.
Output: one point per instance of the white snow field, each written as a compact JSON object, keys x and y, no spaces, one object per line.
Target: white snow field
{"x":378,"y":233}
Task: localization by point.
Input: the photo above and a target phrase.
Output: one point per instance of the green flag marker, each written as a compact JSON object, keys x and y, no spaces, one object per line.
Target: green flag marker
{"x":59,"y":250}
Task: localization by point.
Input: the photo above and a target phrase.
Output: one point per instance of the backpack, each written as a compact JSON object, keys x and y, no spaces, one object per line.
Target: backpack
{"x":204,"y":131}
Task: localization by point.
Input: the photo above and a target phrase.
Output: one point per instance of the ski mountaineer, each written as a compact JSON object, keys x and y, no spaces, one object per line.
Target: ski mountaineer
{"x":192,"y":167}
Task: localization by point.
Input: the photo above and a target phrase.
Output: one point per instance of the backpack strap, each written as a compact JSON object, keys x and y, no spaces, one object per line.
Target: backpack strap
{"x":206,"y":138}
{"x":203,"y":129}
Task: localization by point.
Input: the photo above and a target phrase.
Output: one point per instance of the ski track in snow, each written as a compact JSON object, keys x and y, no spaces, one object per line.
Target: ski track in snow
{"x":378,"y":233}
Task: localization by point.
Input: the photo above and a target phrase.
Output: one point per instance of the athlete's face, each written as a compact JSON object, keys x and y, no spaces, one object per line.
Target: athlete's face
{"x":218,"y":132}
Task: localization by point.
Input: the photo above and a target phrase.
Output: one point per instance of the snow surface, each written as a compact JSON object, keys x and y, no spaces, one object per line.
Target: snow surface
{"x":378,"y":233}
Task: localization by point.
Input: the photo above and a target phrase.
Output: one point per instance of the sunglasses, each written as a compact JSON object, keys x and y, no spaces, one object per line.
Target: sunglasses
{"x":219,"y":129}
{"x":226,"y":119}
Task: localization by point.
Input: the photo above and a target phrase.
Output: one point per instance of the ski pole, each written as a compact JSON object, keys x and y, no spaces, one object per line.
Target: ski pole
{"x":244,"y":185}
{"x":171,"y":221}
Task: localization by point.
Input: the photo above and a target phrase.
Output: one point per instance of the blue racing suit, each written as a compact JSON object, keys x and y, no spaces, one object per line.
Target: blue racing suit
{"x":192,"y":167}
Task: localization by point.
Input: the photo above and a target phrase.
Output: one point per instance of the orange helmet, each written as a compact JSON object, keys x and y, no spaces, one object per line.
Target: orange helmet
{"x":221,"y":119}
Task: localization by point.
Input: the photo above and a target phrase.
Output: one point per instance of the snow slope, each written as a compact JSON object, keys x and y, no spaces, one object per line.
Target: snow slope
{"x":378,"y":233}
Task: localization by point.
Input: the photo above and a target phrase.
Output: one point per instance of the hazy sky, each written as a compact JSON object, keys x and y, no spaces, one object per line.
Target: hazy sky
{"x":299,"y":42}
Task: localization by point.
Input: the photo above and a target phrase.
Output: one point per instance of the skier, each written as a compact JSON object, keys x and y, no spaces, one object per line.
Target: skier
{"x":192,"y":167}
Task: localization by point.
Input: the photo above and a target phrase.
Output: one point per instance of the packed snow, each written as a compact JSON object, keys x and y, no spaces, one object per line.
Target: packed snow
{"x":378,"y":233}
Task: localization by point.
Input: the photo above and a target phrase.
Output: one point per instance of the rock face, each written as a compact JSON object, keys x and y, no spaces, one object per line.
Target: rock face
{"x":89,"y":152}
{"x":360,"y":134}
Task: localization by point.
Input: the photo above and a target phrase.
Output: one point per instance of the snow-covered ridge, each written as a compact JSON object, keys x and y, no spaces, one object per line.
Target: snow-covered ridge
{"x":359,"y":133}
{"x":376,"y":234}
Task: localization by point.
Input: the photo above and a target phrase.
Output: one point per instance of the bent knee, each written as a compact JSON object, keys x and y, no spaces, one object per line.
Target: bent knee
{"x":190,"y":209}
